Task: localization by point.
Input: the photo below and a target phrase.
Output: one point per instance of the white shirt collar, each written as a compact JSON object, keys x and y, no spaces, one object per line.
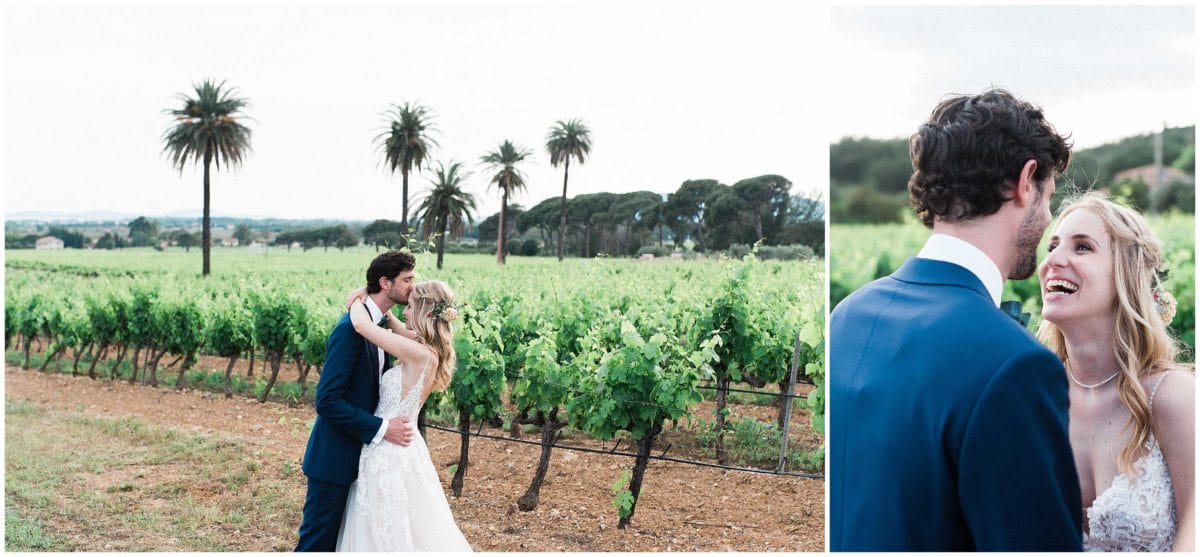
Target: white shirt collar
{"x":373,"y":309}
{"x":943,"y":247}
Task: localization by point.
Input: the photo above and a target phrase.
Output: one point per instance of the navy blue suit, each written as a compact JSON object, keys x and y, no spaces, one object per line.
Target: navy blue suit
{"x":347,"y":394}
{"x":948,"y":422}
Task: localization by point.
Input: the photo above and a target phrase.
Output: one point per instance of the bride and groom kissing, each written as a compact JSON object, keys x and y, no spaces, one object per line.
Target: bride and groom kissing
{"x":371,"y":483}
{"x":955,"y":429}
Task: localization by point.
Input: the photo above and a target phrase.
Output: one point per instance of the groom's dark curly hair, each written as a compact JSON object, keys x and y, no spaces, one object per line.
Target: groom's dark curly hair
{"x":388,"y":264}
{"x":968,"y":157}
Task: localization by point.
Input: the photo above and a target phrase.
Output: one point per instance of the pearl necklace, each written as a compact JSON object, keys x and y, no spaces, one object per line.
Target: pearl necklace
{"x":1085,"y":385}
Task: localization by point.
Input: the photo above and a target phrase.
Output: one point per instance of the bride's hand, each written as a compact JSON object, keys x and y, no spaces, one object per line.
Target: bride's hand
{"x":355,"y":295}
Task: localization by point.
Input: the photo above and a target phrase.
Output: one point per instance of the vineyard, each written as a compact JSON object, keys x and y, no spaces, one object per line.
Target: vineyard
{"x":862,"y":253}
{"x":611,"y":349}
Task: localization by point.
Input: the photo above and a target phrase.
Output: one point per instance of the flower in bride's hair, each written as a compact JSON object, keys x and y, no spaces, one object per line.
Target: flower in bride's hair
{"x":1165,"y":303}
{"x":446,"y":311}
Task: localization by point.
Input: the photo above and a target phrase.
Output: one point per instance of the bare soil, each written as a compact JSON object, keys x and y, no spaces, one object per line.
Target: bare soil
{"x":681,"y":508}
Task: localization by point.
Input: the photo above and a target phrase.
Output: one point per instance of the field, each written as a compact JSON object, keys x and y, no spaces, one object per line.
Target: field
{"x":862,"y":253}
{"x":591,"y":353}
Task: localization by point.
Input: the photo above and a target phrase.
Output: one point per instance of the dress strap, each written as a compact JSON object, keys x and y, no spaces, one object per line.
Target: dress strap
{"x":1158,"y":383}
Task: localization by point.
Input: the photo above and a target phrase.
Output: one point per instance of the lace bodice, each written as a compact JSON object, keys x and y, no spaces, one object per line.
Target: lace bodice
{"x":1138,"y":514}
{"x":393,"y":401}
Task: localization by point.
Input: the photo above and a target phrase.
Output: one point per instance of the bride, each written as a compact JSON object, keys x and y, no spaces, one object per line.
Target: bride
{"x":398,"y":504}
{"x":1131,"y":420}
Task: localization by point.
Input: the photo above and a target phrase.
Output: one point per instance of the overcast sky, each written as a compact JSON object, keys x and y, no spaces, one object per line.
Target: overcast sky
{"x":1100,"y":72}
{"x":670,"y":93}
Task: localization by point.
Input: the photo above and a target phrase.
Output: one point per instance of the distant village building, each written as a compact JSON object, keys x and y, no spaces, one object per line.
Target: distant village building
{"x":229,"y":242}
{"x":49,"y":242}
{"x":1149,"y":175}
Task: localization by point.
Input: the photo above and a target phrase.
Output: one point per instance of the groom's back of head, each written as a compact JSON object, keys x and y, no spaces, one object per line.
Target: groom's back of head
{"x":968,"y":157}
{"x":388,"y":265}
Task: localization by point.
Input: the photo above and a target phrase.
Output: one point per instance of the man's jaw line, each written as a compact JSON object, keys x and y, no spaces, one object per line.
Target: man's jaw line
{"x":382,"y":300}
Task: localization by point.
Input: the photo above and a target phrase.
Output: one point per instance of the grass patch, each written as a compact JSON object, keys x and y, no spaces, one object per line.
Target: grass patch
{"x":23,"y":533}
{"x":83,"y":483}
{"x":751,"y":399}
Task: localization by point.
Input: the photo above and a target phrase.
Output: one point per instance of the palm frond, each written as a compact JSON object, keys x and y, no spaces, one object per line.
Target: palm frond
{"x":407,"y":139}
{"x":568,"y":139}
{"x":446,"y":199}
{"x":208,"y":124}
{"x":504,"y":160}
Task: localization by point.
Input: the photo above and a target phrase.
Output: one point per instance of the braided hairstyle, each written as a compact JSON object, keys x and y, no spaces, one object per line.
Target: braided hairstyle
{"x":434,"y":326}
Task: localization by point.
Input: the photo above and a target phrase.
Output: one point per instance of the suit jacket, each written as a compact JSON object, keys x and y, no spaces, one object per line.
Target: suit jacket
{"x":347,"y":394}
{"x":948,"y":422}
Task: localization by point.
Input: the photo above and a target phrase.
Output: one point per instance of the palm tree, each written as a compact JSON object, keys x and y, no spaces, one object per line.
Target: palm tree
{"x":507,"y":179}
{"x":207,"y":129}
{"x":406,"y":145}
{"x":565,"y":140}
{"x":447,"y":206}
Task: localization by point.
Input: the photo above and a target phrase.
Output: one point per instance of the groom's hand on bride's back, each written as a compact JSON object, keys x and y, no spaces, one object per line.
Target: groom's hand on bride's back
{"x":399,"y":431}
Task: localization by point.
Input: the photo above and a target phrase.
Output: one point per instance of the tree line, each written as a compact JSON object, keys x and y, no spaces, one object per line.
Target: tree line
{"x":209,"y":128}
{"x":868,"y":178}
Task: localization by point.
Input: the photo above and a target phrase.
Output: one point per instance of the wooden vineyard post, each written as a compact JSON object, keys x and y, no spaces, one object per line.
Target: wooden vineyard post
{"x":787,"y":407}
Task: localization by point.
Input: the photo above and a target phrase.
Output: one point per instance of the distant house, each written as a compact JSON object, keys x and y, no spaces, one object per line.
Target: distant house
{"x":229,"y":242}
{"x":49,"y":242}
{"x":1147,"y":175}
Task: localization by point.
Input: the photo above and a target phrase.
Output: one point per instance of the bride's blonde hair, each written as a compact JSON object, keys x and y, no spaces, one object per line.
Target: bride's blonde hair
{"x":1142,"y":346}
{"x":434,"y":327}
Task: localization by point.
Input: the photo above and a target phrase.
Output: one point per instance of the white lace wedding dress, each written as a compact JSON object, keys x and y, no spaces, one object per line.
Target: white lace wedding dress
{"x":398,"y":504}
{"x":1135,"y":515}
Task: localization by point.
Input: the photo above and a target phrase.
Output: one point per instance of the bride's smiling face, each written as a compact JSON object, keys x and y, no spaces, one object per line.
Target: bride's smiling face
{"x":1077,"y":275}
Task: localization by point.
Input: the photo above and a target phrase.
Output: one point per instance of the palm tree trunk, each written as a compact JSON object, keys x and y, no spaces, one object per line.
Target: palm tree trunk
{"x":443,"y":221}
{"x":404,"y":207}
{"x":500,"y":234}
{"x":206,"y":235}
{"x":562,"y":211}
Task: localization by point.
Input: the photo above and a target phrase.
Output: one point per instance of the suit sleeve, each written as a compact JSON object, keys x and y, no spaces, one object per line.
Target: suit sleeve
{"x":342,"y":351}
{"x":1017,"y":478}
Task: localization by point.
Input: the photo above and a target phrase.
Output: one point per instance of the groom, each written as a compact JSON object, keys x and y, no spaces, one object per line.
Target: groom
{"x":948,"y":419}
{"x":346,"y":397}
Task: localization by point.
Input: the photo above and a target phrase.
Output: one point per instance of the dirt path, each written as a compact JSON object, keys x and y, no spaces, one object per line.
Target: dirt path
{"x":682,"y":507}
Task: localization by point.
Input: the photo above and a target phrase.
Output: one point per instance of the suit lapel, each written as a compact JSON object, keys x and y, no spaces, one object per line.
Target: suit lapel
{"x":372,"y":355}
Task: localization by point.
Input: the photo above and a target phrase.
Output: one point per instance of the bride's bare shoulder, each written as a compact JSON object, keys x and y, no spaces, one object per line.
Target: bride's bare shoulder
{"x":1173,"y":395}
